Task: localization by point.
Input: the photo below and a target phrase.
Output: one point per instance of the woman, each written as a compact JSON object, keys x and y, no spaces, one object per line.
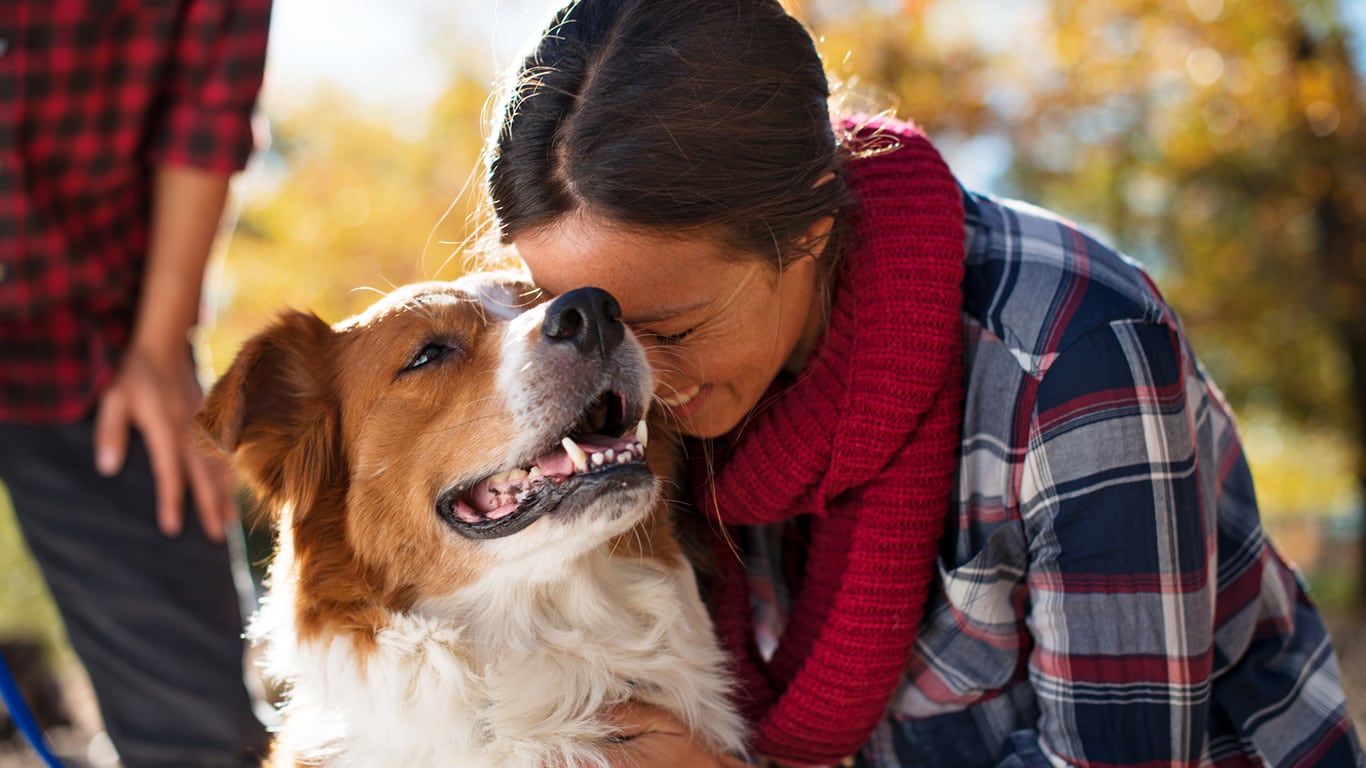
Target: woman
{"x":989,"y":508}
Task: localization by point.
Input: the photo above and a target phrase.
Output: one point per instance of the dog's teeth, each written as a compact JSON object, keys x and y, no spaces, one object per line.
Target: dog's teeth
{"x":534,"y":473}
{"x":624,"y":457}
{"x":642,"y":433}
{"x":609,"y":455}
{"x":498,"y":479}
{"x":598,"y":459}
{"x":576,"y":454}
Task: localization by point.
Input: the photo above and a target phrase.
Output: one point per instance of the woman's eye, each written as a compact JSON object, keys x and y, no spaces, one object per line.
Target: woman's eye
{"x":428,"y":354}
{"x":672,"y":338}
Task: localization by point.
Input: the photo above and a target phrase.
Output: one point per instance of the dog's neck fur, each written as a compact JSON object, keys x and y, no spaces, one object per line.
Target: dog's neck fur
{"x":501,"y":669}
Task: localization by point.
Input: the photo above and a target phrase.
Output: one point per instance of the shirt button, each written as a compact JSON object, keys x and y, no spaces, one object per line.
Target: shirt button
{"x":4,"y":272}
{"x":4,"y":46}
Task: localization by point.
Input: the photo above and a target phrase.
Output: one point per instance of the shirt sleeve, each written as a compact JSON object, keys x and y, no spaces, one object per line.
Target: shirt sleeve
{"x":215,"y":77}
{"x":1121,"y":577}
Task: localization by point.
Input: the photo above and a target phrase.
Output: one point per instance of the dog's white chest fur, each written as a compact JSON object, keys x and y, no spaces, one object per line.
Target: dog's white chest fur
{"x":504,"y":674}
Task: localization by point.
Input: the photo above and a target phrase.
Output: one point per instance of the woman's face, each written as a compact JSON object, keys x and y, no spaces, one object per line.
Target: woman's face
{"x":718,"y":326}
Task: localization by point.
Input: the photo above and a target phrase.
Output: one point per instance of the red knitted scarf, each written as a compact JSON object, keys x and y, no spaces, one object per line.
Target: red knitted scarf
{"x":865,"y":441}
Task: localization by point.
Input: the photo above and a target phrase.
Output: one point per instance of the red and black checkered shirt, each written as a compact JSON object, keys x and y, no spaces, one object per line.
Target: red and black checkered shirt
{"x":94,"y":95}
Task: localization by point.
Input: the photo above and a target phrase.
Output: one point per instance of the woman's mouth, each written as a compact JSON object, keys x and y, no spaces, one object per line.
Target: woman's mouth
{"x":680,"y":397}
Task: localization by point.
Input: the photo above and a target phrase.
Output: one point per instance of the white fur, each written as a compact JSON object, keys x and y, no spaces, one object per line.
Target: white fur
{"x":506,"y":673}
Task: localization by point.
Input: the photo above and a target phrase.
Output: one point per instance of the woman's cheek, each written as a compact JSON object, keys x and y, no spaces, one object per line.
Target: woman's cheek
{"x":671,"y":364}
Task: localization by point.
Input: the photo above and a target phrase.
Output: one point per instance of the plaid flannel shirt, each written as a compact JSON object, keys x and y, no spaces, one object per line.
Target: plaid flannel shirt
{"x":1106,"y":596}
{"x":94,"y":95}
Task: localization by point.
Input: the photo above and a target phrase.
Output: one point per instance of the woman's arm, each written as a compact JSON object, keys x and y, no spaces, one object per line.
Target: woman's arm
{"x":1122,"y":557}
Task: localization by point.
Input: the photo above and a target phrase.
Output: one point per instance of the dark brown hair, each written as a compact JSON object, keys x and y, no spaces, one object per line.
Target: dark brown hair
{"x":675,"y":115}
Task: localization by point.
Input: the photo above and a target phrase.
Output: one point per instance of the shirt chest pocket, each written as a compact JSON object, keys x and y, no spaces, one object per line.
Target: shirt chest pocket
{"x":974,"y":641}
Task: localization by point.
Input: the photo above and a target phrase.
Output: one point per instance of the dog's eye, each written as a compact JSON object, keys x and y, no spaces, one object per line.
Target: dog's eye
{"x":428,"y":354}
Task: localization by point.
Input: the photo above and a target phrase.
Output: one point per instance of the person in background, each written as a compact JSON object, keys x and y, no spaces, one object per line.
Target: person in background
{"x":120,"y":124}
{"x":972,"y":500}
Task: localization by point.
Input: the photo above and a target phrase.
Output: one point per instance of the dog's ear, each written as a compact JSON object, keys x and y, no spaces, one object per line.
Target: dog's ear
{"x":275,"y":410}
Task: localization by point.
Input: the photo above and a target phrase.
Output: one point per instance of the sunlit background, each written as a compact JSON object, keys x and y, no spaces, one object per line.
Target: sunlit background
{"x":1219,"y":142}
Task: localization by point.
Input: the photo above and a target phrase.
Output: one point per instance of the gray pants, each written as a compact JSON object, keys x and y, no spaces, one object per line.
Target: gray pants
{"x":157,"y":622}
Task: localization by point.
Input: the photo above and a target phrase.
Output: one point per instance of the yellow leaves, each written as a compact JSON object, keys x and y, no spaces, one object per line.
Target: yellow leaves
{"x":1206,"y":10}
{"x":1205,"y":66}
{"x":1298,"y":472}
{"x":350,"y":207}
{"x":1314,"y":79}
{"x":1317,"y":86}
{"x":1271,"y":56}
{"x":346,"y":206}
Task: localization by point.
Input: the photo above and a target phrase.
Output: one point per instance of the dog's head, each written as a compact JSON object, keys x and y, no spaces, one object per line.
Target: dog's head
{"x":450,"y":430}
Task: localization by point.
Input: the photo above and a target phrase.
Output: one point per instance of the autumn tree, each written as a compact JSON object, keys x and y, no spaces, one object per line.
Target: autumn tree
{"x":348,"y":205}
{"x":1222,"y":146}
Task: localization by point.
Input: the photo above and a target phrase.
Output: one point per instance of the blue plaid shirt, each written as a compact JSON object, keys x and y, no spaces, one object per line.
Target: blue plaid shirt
{"x":1106,"y":595}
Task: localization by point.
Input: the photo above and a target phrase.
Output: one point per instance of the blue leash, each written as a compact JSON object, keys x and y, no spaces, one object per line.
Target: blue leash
{"x":23,"y":717}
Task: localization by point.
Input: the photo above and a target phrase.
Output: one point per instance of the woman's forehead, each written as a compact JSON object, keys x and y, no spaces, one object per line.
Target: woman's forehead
{"x":649,"y":273}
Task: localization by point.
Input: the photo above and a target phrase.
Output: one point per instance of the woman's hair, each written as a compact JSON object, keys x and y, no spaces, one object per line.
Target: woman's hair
{"x":675,"y":115}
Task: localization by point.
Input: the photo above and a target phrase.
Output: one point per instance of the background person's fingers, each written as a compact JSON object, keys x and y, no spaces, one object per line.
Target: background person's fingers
{"x":111,"y":433}
{"x":163,"y":446}
{"x":210,"y":484}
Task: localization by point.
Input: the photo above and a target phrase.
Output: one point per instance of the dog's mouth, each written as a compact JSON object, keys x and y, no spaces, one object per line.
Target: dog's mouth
{"x":609,"y":439}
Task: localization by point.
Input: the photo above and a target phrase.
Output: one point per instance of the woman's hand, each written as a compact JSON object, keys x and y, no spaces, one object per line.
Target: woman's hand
{"x":651,"y":736}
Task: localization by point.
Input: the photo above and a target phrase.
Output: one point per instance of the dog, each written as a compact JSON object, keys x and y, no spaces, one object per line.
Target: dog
{"x":474,"y":565}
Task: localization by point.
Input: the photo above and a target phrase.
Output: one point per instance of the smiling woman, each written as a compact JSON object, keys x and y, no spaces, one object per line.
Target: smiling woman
{"x":966,"y":487}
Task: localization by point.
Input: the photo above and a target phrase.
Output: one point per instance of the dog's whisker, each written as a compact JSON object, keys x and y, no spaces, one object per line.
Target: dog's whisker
{"x":639,"y":536}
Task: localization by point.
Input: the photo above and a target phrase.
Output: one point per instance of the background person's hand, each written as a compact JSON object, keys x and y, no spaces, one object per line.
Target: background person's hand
{"x":653,"y":737}
{"x":158,"y":395}
{"x":155,"y":389}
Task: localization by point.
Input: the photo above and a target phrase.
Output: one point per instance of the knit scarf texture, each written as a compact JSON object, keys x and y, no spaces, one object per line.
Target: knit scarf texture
{"x":864,"y":441}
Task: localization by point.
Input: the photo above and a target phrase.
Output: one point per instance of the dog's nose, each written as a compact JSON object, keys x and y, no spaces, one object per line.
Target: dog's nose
{"x":588,"y":318}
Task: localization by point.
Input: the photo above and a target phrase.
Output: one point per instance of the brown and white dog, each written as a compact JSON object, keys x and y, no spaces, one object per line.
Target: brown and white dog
{"x":473,"y":563}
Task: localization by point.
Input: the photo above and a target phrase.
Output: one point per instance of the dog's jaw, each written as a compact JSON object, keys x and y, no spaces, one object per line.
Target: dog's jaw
{"x":549,"y":389}
{"x":560,"y":484}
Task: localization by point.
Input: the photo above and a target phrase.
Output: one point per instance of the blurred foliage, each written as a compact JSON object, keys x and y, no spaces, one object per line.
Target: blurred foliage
{"x":1300,"y":470}
{"x":345,"y":206}
{"x":1223,"y":147}
{"x":26,"y":607}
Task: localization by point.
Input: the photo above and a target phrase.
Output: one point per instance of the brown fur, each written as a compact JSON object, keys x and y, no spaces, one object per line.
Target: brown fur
{"x":339,"y":450}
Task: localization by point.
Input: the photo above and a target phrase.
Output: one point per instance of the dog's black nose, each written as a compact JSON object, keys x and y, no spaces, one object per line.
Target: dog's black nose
{"x":588,"y":318}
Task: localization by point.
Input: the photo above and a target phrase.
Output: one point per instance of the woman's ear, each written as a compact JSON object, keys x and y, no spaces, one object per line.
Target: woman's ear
{"x":813,"y":241}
